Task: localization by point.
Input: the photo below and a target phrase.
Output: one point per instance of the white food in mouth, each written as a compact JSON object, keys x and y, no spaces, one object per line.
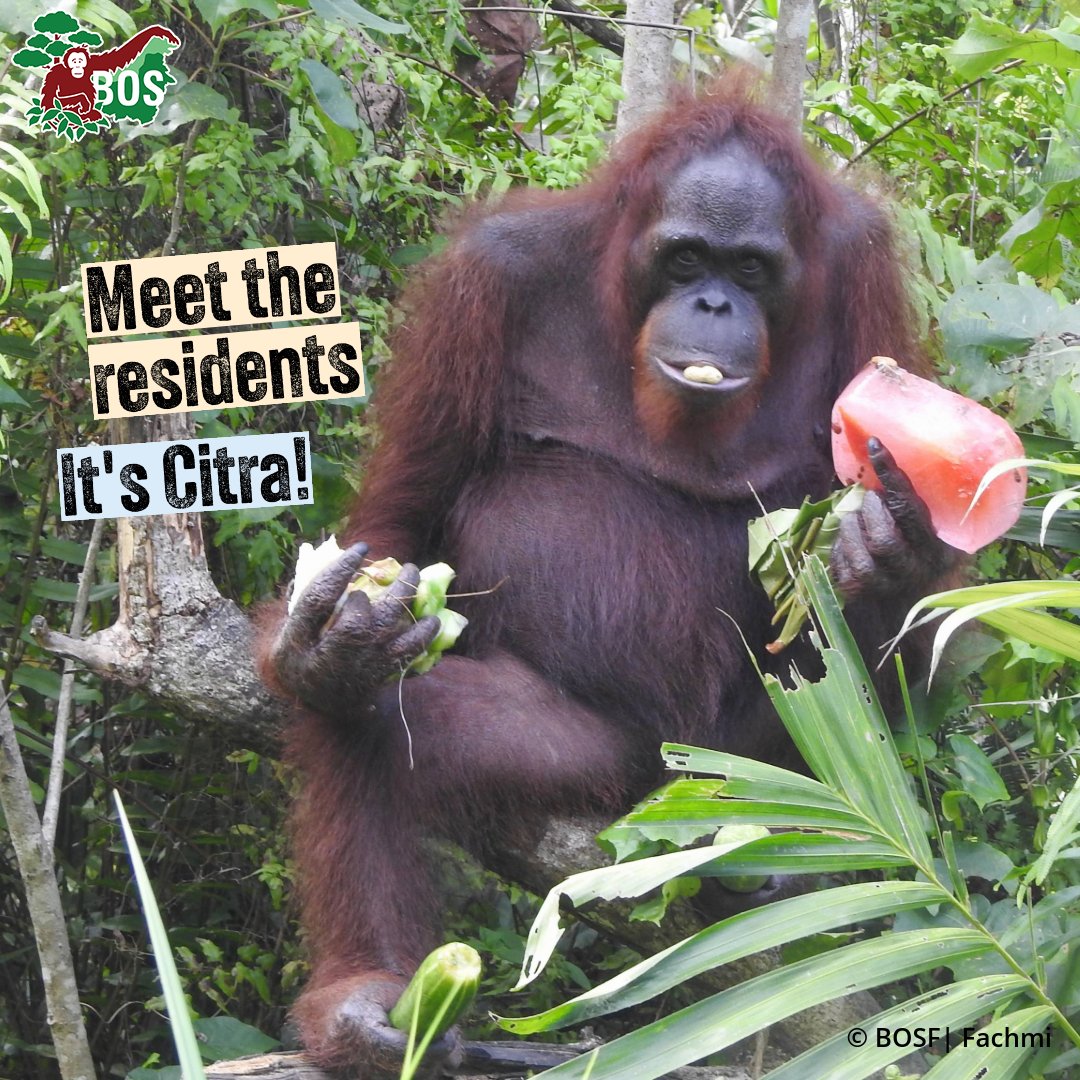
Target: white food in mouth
{"x":703,"y":373}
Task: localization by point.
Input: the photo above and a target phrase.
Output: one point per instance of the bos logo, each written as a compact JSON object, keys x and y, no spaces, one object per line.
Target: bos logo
{"x":86,"y":89}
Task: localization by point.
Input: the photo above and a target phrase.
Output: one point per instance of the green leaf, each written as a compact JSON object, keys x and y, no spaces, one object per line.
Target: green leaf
{"x":331,"y":94}
{"x":5,"y":265}
{"x":1038,"y":629}
{"x":221,"y":1038}
{"x":839,"y":727}
{"x":747,"y":778}
{"x":779,"y":542}
{"x":1061,"y":593}
{"x":352,"y":14}
{"x":69,"y":551}
{"x":695,"y":798}
{"x":805,"y":853}
{"x":724,"y":1019}
{"x":1062,"y":833}
{"x":607,"y":882}
{"x":342,"y":144}
{"x":17,"y":211}
{"x":190,"y":101}
{"x":10,"y":397}
{"x":976,"y":858}
{"x":654,"y":909}
{"x":106,"y":16}
{"x":718,"y":811}
{"x":66,"y":591}
{"x":949,"y":1008}
{"x":46,"y":682}
{"x":979,"y":322}
{"x":734,"y":938}
{"x":200,"y":102}
{"x":1000,"y":1062}
{"x":986,"y":43}
{"x":1003,"y":605}
{"x":217,"y":12}
{"x":30,"y":178}
{"x":781,"y":853}
{"x":1041,"y":251}
{"x":187,"y":1046}
{"x":1068,"y":495}
{"x":979,"y":777}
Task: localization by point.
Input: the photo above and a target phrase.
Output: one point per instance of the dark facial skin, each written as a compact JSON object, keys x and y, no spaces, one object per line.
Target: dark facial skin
{"x":716,"y":269}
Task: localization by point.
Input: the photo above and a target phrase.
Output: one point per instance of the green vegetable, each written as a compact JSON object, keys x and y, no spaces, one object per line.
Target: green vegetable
{"x":431,"y":592}
{"x":441,"y":990}
{"x":375,"y":578}
{"x":780,"y":541}
{"x":451,"y":623}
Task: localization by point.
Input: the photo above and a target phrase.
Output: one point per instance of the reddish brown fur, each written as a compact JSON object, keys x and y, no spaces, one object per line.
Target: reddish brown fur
{"x":517,"y":444}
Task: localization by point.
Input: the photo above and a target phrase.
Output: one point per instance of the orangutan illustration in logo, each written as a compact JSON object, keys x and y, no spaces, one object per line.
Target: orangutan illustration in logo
{"x":70,"y":84}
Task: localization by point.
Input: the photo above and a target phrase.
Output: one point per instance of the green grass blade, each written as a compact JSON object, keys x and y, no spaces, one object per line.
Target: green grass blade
{"x":1038,"y":628}
{"x":710,"y":1025}
{"x":607,"y":883}
{"x":720,"y":811}
{"x":742,"y":779}
{"x":30,"y":178}
{"x":741,"y":935}
{"x":731,"y":767}
{"x":951,"y":1008}
{"x":781,"y":853}
{"x":1053,"y":505}
{"x":1003,"y":467}
{"x":839,"y":727}
{"x":804,"y":853}
{"x":1063,"y":832}
{"x":6,"y":265}
{"x":187,"y":1046}
{"x":1039,"y":593}
{"x":973,"y":1062}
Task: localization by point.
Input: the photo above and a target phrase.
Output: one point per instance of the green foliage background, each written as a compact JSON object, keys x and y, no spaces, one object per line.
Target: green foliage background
{"x":967,"y":114}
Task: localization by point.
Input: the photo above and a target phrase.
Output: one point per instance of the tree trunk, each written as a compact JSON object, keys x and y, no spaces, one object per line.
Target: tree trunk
{"x":646,"y":61}
{"x":46,"y":912}
{"x":789,"y":58}
{"x":175,"y":636}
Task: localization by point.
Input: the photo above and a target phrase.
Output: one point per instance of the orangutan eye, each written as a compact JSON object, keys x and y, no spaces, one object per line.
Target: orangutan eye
{"x":686,"y":257}
{"x":686,"y":261}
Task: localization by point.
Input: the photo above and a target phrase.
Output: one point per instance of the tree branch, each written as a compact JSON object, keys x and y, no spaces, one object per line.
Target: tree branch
{"x":46,"y":911}
{"x":297,"y":1066}
{"x":911,"y":117}
{"x":589,"y":25}
{"x":51,"y":813}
